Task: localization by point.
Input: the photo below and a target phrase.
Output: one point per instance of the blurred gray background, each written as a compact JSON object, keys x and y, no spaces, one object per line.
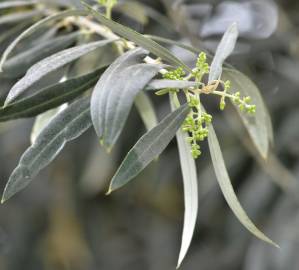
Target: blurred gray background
{"x":63,"y":220}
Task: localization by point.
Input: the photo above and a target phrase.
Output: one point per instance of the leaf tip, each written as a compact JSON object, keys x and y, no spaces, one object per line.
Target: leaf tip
{"x":5,"y":196}
{"x":108,"y":192}
{"x":178,"y":265}
{"x":6,"y":102}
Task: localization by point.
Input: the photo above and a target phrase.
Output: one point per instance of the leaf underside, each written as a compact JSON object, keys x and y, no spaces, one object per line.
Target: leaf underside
{"x":114,"y":94}
{"x":49,"y":64}
{"x":189,"y":173}
{"x":65,"y":126}
{"x":227,"y":188}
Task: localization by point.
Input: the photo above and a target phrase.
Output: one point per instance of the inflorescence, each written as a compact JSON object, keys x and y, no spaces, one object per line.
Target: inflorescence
{"x":197,"y":122}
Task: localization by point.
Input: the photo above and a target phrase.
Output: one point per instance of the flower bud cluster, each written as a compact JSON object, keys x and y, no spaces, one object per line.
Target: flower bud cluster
{"x":175,"y":75}
{"x":201,"y":67}
{"x":243,"y":103}
{"x":197,"y":127}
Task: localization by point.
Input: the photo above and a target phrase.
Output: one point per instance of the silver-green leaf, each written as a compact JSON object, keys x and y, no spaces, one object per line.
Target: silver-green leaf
{"x":38,"y":25}
{"x":121,"y":98}
{"x":146,"y":110}
{"x":139,"y":39}
{"x":106,"y":83}
{"x":42,"y":120}
{"x":259,"y":126}
{"x":148,"y":147}
{"x":227,"y":188}
{"x":49,"y":64}
{"x":18,"y":64}
{"x":50,"y":97}
{"x":66,"y":126}
{"x":189,"y":173}
{"x":224,"y":49}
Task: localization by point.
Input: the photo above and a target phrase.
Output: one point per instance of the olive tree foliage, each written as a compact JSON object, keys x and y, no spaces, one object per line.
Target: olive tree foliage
{"x":42,"y":53}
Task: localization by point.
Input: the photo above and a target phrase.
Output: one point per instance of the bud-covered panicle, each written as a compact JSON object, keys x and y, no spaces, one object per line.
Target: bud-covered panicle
{"x":197,"y":122}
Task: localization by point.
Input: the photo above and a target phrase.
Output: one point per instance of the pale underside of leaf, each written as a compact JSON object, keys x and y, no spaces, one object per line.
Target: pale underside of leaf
{"x":259,"y":126}
{"x":49,"y":64}
{"x":121,"y":97}
{"x":105,"y":85}
{"x":224,"y":49}
{"x":18,"y":64}
{"x":43,"y":120}
{"x":148,"y":147}
{"x":139,"y":39}
{"x":227,"y":188}
{"x":146,"y":110}
{"x":189,"y":173}
{"x":66,"y":126}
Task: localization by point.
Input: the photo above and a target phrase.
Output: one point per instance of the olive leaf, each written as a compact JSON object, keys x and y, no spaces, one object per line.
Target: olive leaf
{"x":65,"y":126}
{"x":139,"y":39}
{"x":146,"y":110}
{"x":227,"y":188}
{"x":224,"y":49}
{"x":259,"y":126}
{"x":18,"y":64}
{"x":148,"y":147}
{"x":121,"y":98}
{"x":38,"y":25}
{"x":189,"y":173}
{"x":50,"y":97}
{"x":114,"y":93}
{"x":49,"y":64}
{"x":43,"y":120}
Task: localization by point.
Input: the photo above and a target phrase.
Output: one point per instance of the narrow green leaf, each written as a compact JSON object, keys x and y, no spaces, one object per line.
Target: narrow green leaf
{"x":49,"y":64}
{"x":146,"y":110}
{"x":161,"y":84}
{"x":99,"y":98}
{"x":19,"y":64}
{"x":189,"y":173}
{"x":139,"y":39}
{"x":224,"y":49}
{"x":42,"y":121}
{"x":35,"y":27}
{"x":66,"y":126}
{"x":121,"y":98}
{"x":50,"y":97}
{"x":259,"y":126}
{"x":174,"y":43}
{"x":148,"y":147}
{"x":227,"y":188}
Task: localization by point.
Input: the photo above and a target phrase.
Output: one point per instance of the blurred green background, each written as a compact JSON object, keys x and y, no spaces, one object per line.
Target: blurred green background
{"x":63,"y":220}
